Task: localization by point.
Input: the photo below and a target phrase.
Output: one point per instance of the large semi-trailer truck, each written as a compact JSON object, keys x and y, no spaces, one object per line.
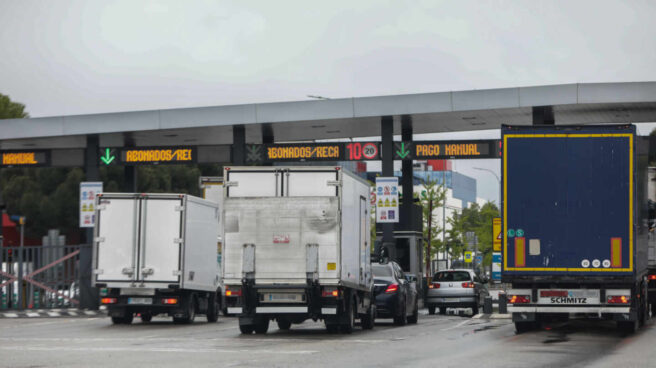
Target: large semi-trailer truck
{"x":157,"y":254}
{"x":297,"y":247}
{"x":575,"y":224}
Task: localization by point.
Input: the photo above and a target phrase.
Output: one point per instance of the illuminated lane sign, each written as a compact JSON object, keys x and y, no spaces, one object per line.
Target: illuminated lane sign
{"x":352,"y":151}
{"x":422,"y":150}
{"x":147,"y":156}
{"x":25,"y":158}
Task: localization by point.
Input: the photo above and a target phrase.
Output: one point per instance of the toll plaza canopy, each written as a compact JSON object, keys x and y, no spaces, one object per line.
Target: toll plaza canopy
{"x":214,"y":127}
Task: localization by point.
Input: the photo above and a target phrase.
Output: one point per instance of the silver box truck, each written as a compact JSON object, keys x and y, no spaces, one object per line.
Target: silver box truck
{"x":157,"y":254}
{"x":296,"y":247}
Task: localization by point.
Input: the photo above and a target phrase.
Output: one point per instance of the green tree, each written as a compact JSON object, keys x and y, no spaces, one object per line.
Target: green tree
{"x":432,"y":197}
{"x":473,"y":219}
{"x":10,"y":109}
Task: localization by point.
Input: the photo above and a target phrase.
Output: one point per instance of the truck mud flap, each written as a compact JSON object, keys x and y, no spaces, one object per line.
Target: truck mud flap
{"x":523,"y":317}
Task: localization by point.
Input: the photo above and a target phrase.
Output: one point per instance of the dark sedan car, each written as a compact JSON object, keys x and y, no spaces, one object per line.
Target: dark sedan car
{"x":396,"y":293}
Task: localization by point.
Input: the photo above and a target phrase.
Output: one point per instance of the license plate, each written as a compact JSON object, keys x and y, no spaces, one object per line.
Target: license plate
{"x":576,"y":296}
{"x":140,"y":300}
{"x":283,"y":298}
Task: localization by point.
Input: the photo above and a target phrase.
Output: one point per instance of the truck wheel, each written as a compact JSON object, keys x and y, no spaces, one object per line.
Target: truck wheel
{"x":213,"y":308}
{"x":522,"y":327}
{"x":121,"y":320}
{"x":368,"y":320}
{"x":145,"y":317}
{"x":284,"y":324}
{"x":474,"y":310}
{"x":442,"y":310}
{"x":431,"y":309}
{"x":401,"y":319}
{"x":628,"y":327}
{"x":190,"y":314}
{"x":262,"y":325}
{"x":415,"y":315}
{"x":246,"y":329}
{"x":653,"y":310}
{"x":347,"y":327}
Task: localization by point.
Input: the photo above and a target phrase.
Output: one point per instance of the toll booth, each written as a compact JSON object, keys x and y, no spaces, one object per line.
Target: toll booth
{"x":408,"y":247}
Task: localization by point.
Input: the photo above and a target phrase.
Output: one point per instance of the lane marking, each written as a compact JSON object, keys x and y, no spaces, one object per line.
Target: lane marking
{"x":456,"y":326}
{"x":157,"y":350}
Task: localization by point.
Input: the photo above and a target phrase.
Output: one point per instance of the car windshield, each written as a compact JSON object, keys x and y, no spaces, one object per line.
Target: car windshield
{"x":382,"y":270}
{"x":452,"y":276}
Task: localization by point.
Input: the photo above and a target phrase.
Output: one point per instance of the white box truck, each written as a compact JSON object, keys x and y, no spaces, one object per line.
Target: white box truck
{"x":296,"y":247}
{"x":156,"y":254}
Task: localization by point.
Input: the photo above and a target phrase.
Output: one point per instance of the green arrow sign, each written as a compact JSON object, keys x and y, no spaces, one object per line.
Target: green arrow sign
{"x":403,"y":153}
{"x":108,"y":157}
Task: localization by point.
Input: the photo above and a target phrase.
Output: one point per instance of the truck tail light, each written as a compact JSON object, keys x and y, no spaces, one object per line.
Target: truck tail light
{"x":233,"y":292}
{"x":108,"y":301}
{"x":519,"y":299}
{"x":330,"y":293}
{"x":652,"y":277}
{"x":170,"y":301}
{"x":618,"y":299}
{"x":392,"y":288}
{"x":434,"y":285}
{"x":468,"y":285}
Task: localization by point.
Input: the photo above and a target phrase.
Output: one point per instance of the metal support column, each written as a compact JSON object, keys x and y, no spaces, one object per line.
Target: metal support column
{"x":238,"y":145}
{"x":88,"y":294}
{"x":267,"y":137}
{"x":129,"y":172}
{"x":543,"y":115}
{"x":387,"y":151}
{"x":406,"y":178}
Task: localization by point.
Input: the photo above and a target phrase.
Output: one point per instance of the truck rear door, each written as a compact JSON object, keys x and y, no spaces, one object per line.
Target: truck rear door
{"x":161,"y":237}
{"x":116,"y":236}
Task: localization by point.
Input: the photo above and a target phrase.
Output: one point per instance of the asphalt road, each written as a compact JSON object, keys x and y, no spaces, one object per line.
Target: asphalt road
{"x":445,"y":341}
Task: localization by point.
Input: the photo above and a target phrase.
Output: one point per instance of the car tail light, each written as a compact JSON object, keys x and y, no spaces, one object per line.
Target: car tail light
{"x":618,"y":299}
{"x":330,"y":293}
{"x":434,"y":285}
{"x":108,"y":301}
{"x":392,"y":288}
{"x":652,"y":277}
{"x":170,"y":301}
{"x":468,"y":285}
{"x":518,"y":299}
{"x":233,"y":292}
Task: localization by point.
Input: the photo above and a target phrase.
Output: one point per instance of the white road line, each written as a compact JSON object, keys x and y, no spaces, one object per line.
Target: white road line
{"x":11,"y":315}
{"x":54,"y":314}
{"x":32,"y":314}
{"x":480,"y":315}
{"x":456,"y":326}
{"x":157,"y":350}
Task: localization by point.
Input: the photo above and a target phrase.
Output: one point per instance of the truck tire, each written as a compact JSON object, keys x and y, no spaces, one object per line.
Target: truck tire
{"x":246,"y":329}
{"x":653,"y":310}
{"x":213,"y":308}
{"x":368,"y":320}
{"x":125,"y":320}
{"x":262,"y":325}
{"x":347,"y":327}
{"x":146,"y":317}
{"x":474,"y":310}
{"x":415,"y":315}
{"x":284,"y":324}
{"x":401,"y":319}
{"x":521,"y":327}
{"x":190,"y":313}
{"x":442,"y":310}
{"x":627,"y":327}
{"x":431,"y":309}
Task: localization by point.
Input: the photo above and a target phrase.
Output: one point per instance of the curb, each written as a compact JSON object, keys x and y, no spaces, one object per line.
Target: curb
{"x":52,"y":313}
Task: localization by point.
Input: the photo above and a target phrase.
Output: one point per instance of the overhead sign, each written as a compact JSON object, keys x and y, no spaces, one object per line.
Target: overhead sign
{"x":387,"y":199}
{"x":147,"y":155}
{"x":89,"y":190}
{"x":338,"y":151}
{"x":469,"y":256}
{"x":25,"y":158}
{"x":496,"y":234}
{"x":423,"y":150}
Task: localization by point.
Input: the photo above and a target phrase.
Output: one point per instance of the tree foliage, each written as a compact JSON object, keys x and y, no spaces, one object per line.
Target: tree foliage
{"x":432,"y":197}
{"x":10,"y":109}
{"x":475,"y":219}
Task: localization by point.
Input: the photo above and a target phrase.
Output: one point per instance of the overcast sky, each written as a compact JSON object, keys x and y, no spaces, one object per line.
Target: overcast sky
{"x":76,"y":57}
